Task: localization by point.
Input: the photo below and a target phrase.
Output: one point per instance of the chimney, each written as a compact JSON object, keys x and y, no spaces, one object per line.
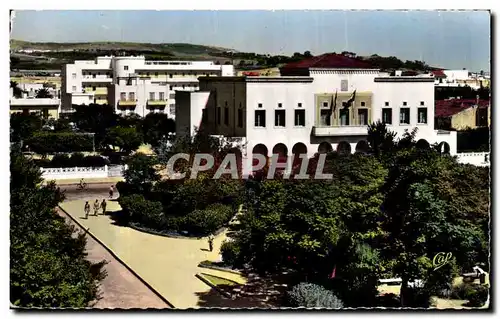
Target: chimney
{"x":398,"y":73}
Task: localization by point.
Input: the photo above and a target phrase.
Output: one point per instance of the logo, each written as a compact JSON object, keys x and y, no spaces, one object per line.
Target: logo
{"x":441,"y":259}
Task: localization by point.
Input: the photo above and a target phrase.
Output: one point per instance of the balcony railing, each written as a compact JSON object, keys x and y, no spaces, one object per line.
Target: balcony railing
{"x":156,"y":102}
{"x":127,"y":102}
{"x":89,"y":78}
{"x":97,"y":91}
{"x":343,"y":130}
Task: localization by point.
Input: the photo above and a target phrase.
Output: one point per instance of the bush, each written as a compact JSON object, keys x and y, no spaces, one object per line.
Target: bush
{"x":477,"y":295}
{"x":206,"y":221}
{"x":463,"y":290}
{"x":44,"y":143}
{"x":230,"y":252}
{"x":417,"y":297}
{"x":61,"y":160}
{"x":311,"y":295}
{"x":94,"y":161}
{"x":77,"y":159}
{"x":147,"y":213}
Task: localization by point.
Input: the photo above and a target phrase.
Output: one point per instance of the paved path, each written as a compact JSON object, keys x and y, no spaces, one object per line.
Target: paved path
{"x":169,"y":265}
{"x":121,"y":288}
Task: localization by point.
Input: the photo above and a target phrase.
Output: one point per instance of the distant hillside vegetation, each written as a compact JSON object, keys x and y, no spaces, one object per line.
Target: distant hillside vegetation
{"x":62,"y":53}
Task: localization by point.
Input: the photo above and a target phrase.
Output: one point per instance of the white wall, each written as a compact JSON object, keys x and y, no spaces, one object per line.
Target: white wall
{"x":477,"y":158}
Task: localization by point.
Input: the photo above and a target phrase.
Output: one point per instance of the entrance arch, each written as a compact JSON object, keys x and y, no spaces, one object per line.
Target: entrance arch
{"x":325,"y":147}
{"x":362,"y":147}
{"x":344,"y":148}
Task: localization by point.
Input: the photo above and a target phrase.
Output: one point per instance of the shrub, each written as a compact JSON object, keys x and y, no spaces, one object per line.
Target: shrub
{"x":77,"y":159}
{"x":61,"y":160}
{"x":94,"y":161}
{"x":312,"y":295}
{"x":462,"y":291}
{"x":147,"y":213}
{"x":478,"y":295}
{"x":44,"y":143}
{"x":206,"y":221}
{"x":230,"y":252}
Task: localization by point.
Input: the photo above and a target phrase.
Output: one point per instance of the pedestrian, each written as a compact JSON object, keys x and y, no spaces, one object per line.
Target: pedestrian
{"x":87,"y":209}
{"x":103,"y":206}
{"x":111,"y":190}
{"x":211,"y":243}
{"x":96,"y":207}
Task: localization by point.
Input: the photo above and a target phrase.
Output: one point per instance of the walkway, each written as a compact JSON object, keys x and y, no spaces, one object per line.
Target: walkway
{"x":169,"y":265}
{"x":120,"y":288}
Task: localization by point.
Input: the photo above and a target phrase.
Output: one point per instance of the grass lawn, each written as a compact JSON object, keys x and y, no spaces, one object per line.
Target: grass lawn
{"x":218,"y":281}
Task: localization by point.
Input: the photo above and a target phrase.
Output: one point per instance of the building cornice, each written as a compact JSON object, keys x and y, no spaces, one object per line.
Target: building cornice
{"x":260,"y":79}
{"x":343,"y":70}
{"x":404,"y":79}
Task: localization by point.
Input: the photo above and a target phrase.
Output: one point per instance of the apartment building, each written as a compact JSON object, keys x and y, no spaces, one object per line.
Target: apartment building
{"x":132,"y":84}
{"x":305,"y":109}
{"x":45,"y":107}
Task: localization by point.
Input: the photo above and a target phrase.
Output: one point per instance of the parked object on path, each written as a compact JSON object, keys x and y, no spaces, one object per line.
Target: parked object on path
{"x":103,"y":206}
{"x":87,"y":209}
{"x":96,"y":207}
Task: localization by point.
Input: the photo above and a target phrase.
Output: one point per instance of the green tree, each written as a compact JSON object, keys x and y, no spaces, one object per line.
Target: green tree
{"x":17,"y":91}
{"x":155,"y":127}
{"x":141,"y":173}
{"x":43,"y":94}
{"x":420,"y":220}
{"x":23,"y":126}
{"x":128,"y":139}
{"x":94,"y":118}
{"x":47,"y":261}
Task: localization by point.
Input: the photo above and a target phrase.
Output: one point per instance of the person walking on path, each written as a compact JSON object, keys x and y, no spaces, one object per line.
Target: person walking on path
{"x":211,"y":243}
{"x":103,"y":206}
{"x":87,"y":209}
{"x":111,"y":190}
{"x":96,"y":207}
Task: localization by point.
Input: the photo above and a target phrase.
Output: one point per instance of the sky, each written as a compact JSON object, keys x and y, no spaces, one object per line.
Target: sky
{"x":448,"y":39}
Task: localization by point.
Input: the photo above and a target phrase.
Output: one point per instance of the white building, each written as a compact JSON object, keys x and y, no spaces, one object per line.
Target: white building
{"x":132,"y":84}
{"x":289,"y":114}
{"x":458,"y":78}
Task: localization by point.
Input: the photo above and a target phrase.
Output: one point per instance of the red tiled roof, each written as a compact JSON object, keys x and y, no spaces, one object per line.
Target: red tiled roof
{"x":330,"y":60}
{"x":446,"y":108}
{"x":439,"y":73}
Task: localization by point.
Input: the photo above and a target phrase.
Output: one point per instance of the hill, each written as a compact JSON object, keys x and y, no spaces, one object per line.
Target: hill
{"x":173,"y":48}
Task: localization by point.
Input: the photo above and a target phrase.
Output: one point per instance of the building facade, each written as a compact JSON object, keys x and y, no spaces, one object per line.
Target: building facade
{"x":304,"y":110}
{"x":132,"y":84}
{"x":461,"y":114}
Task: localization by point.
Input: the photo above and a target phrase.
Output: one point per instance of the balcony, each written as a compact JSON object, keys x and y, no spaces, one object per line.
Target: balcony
{"x":98,"y":79}
{"x":127,"y":103}
{"x":344,"y":130}
{"x":97,"y":91}
{"x":156,"y":102}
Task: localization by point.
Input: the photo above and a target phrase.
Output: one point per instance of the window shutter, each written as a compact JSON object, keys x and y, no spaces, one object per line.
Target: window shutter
{"x":369,"y":119}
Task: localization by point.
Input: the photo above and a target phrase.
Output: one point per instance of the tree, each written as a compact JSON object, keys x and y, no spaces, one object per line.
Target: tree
{"x":421,"y":221}
{"x":94,"y":118}
{"x":43,"y":94}
{"x":141,"y":173}
{"x":126,"y":138}
{"x":307,"y":54}
{"x":155,"y":127}
{"x":48,"y":267}
{"x":24,"y":126}
{"x":17,"y":91}
{"x":130,"y":120}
